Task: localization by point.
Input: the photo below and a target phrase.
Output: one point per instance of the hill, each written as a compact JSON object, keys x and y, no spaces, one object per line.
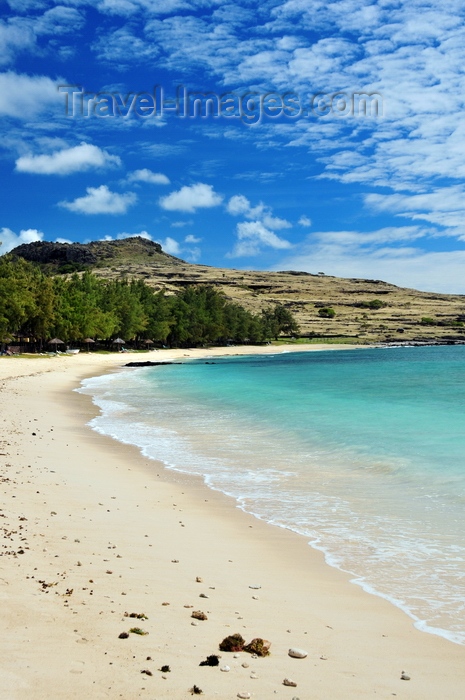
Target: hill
{"x":364,"y":310}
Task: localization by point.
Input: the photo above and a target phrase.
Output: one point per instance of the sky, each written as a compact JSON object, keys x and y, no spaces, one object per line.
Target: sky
{"x":270,"y":135}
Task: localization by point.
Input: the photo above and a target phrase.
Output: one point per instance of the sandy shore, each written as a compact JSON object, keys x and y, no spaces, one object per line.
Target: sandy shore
{"x":91,"y":530}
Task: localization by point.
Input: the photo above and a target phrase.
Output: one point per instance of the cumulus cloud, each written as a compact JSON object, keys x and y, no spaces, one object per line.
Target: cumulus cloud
{"x":24,"y":97}
{"x":9,"y":239}
{"x":101,"y":200}
{"x":190,"y":198}
{"x":239,"y":205}
{"x":67,"y":161}
{"x":305,"y":221}
{"x":192,"y":239}
{"x":146,"y":175}
{"x":252,"y":237}
{"x":170,"y":246}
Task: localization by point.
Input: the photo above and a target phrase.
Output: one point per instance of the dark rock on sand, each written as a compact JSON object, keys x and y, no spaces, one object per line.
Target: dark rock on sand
{"x":212,"y":660}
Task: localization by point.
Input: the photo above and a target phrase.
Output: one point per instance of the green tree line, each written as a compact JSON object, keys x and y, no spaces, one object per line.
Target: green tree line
{"x":36,"y":305}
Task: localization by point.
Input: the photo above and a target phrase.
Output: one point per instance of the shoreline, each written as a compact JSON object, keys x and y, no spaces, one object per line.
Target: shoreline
{"x":74,"y":484}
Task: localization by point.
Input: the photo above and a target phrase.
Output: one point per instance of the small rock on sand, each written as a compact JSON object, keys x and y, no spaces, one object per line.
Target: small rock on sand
{"x":244,"y":696}
{"x":404,"y":676}
{"x":292,"y":684}
{"x":297,"y":653}
{"x":199,"y":615}
{"x":225,"y":669}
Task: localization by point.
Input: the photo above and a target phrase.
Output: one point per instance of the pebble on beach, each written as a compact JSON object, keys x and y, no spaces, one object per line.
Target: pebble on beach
{"x":199,"y":615}
{"x":404,"y":676}
{"x":297,"y":653}
{"x":290,"y":683}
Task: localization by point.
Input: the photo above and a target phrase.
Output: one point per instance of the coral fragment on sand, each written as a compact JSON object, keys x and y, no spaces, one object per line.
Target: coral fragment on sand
{"x":235,"y":642}
{"x":258,"y":646}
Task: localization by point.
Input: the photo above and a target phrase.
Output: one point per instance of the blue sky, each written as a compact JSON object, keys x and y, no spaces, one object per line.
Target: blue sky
{"x":288,"y":171}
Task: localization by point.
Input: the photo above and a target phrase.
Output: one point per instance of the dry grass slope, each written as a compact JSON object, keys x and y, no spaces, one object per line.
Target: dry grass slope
{"x":305,"y":294}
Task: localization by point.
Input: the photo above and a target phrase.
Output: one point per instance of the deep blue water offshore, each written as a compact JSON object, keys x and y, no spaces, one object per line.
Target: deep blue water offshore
{"x":361,"y":451}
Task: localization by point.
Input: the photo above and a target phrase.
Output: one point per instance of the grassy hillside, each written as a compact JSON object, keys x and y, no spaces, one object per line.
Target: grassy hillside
{"x":403,"y":314}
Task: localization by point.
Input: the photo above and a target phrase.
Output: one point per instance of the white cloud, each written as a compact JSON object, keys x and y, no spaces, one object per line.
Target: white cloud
{"x":181,"y":224}
{"x":58,"y":20}
{"x":240,"y":205}
{"x":67,"y":161}
{"x":192,"y":239}
{"x":444,"y":206}
{"x":124,"y":234}
{"x":9,"y":239}
{"x":63,"y":240}
{"x":13,"y":40}
{"x":101,"y":200}
{"x":170,"y":246}
{"x":275,"y":222}
{"x":252,"y":237}
{"x":146,"y":175}
{"x":141,"y":234}
{"x":24,"y":97}
{"x":305,"y":221}
{"x":19,"y":34}
{"x":190,"y":198}
{"x":130,"y":7}
{"x":123,"y":47}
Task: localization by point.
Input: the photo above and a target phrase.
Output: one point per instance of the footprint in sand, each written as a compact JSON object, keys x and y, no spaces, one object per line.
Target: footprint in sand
{"x":77,"y":667}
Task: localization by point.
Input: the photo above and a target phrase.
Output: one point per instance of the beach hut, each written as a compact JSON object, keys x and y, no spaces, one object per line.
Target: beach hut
{"x":88,"y":341}
{"x":56,"y":342}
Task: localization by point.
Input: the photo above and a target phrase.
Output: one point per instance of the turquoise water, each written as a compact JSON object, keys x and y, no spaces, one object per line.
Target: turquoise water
{"x":362,"y":451}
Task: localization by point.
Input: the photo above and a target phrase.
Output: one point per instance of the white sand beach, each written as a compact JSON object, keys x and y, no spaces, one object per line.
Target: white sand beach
{"x":92,"y":530}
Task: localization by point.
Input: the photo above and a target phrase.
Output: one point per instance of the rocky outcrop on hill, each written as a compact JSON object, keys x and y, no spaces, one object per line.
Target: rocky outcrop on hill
{"x":44,"y":253}
{"x":91,"y":254}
